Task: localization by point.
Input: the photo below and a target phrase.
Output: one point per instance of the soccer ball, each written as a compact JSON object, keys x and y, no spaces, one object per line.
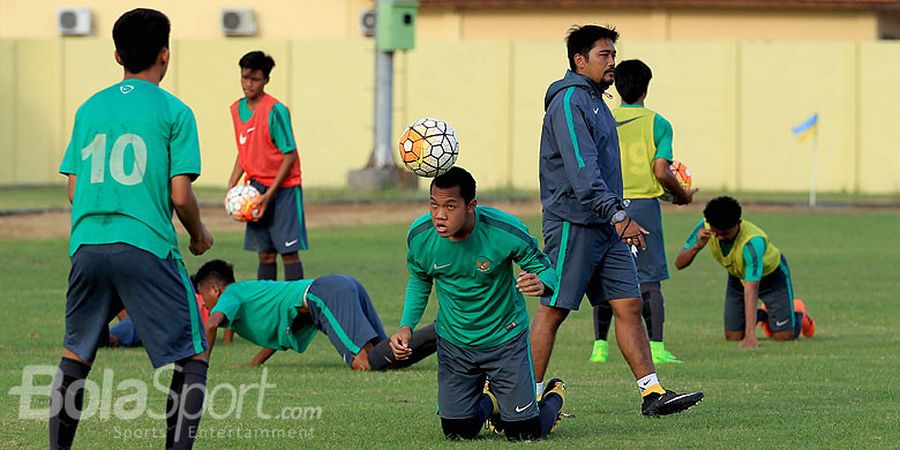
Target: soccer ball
{"x":682,"y":174}
{"x":428,"y":147}
{"x":240,"y":203}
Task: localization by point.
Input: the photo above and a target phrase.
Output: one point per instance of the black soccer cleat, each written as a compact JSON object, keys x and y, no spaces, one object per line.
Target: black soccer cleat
{"x":669,"y":403}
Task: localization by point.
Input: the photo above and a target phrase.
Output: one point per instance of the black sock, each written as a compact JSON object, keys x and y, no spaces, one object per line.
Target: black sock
{"x":654,"y":310}
{"x":188,"y":404}
{"x":798,"y":324}
{"x":172,"y":400}
{"x":602,"y":320}
{"x":549,"y":406}
{"x":293,"y":271}
{"x":485,"y":408}
{"x":267,"y":271}
{"x":762,"y":316}
{"x":423,"y":343}
{"x":66,"y":401}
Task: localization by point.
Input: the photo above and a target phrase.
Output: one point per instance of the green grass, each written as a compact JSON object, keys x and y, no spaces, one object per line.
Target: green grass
{"x":837,"y":390}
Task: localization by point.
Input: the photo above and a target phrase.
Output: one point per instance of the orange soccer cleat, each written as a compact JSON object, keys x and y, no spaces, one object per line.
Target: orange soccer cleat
{"x":807,"y":325}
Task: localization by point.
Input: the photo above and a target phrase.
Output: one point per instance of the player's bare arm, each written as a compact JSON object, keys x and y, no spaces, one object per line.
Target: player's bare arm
{"x":664,"y":174}
{"x":400,"y":343}
{"x":212,"y":325}
{"x":236,"y":173}
{"x":283,"y":172}
{"x":686,"y":255}
{"x":188,"y":211}
{"x":751,"y":295}
{"x":71,"y":187}
{"x":530,"y":284}
{"x":261,"y":357}
{"x":632,"y":233}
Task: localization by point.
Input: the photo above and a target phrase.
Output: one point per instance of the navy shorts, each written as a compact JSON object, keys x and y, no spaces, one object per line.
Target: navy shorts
{"x":775,"y":291}
{"x":282,"y":229}
{"x":589,"y":260}
{"x":341,"y":308}
{"x":462,"y":371}
{"x":651,"y":263}
{"x":157,"y":293}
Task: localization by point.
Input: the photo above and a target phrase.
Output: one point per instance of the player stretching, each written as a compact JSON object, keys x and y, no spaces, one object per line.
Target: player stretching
{"x":338,"y":305}
{"x":584,"y":220}
{"x":133,"y":155}
{"x":756,"y":270}
{"x":268,"y":155}
{"x":467,"y":252}
{"x":645,"y":141}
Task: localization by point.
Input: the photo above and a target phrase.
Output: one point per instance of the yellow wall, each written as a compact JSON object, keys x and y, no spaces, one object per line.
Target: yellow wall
{"x":731,"y":104}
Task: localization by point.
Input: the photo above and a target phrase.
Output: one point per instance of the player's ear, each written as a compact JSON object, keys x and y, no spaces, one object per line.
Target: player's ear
{"x":163,"y":57}
{"x":470,"y":208}
{"x":118,"y":58}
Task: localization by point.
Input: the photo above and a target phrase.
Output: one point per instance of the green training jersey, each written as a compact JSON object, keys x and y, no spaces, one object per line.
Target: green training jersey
{"x":478,"y":303}
{"x":129,"y":140}
{"x":758,"y":257}
{"x":262,"y":312}
{"x":279,"y":124}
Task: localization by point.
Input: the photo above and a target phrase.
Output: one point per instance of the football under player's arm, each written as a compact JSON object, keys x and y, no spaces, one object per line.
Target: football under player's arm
{"x":579,"y":154}
{"x":264,"y":354}
{"x":696,"y":241}
{"x":662,"y":138}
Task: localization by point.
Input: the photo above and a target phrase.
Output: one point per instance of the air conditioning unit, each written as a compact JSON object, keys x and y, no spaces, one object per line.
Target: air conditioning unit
{"x":238,"y":22}
{"x":367,"y":18}
{"x":74,"y":21}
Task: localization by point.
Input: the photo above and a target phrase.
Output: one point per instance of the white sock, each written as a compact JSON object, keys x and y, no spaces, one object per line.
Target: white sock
{"x":539,"y":387}
{"x":647,"y":381}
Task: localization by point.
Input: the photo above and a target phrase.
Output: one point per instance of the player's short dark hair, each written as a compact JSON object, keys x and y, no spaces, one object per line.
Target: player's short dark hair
{"x":139,"y":35}
{"x":257,"y":60}
{"x":456,"y":176}
{"x":581,"y":39}
{"x":632,"y":79}
{"x":722,"y":212}
{"x":216,"y":270}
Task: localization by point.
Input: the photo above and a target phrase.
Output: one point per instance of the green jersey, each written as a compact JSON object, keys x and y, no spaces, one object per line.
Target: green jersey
{"x":263,"y":311}
{"x":478,"y":303}
{"x":129,"y":140}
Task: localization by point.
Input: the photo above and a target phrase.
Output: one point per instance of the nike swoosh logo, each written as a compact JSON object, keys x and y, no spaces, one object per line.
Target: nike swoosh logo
{"x":250,"y":130}
{"x":126,"y":88}
{"x":243,"y":139}
{"x":619,"y":124}
{"x":518,"y":409}
{"x":676,"y":398}
{"x":778,"y":324}
{"x":442,"y":266}
{"x":290,"y":243}
{"x":596,"y":110}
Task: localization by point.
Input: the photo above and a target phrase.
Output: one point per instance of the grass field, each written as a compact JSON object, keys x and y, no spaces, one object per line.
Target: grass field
{"x":837,"y":390}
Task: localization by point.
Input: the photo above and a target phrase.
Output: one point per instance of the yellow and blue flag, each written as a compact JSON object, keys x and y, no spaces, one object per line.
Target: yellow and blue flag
{"x":807,"y":129}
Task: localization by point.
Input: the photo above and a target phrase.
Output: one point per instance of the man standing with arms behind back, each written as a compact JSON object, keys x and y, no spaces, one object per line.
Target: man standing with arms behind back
{"x":584,"y":221}
{"x":133,"y":155}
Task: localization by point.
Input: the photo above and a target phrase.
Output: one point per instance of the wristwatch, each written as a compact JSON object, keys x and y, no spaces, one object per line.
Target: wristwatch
{"x":619,"y":216}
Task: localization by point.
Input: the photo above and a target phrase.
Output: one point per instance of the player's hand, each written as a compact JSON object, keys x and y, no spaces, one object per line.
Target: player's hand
{"x":203,"y":242}
{"x":530,"y":284}
{"x":261,"y":204}
{"x":749,"y":342}
{"x":702,"y":238}
{"x":632,"y":233}
{"x":400,"y":343}
{"x":688,"y":197}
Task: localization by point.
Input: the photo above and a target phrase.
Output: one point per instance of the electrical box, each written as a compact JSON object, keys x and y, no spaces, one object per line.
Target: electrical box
{"x":396,"y":25}
{"x":74,"y":21}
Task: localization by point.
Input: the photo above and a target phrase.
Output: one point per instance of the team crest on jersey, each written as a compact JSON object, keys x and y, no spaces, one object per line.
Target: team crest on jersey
{"x":126,"y":88}
{"x":483,"y":264}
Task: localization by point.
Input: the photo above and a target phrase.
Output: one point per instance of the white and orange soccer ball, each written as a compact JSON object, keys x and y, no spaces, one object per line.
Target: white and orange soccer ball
{"x":683,"y":175}
{"x":428,"y":147}
{"x":240,"y":203}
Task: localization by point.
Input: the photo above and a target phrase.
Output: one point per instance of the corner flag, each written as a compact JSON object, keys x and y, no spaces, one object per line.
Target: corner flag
{"x":807,"y":129}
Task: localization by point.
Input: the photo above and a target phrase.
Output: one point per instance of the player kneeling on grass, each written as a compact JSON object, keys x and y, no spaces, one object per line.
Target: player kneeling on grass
{"x":756,"y":269}
{"x":468,"y":252}
{"x":287,"y":315}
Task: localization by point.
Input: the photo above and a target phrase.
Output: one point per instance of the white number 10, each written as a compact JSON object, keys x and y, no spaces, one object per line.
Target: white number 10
{"x":96,"y":151}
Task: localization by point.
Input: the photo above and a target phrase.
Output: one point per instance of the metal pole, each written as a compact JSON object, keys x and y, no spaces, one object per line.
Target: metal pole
{"x":384,"y":107}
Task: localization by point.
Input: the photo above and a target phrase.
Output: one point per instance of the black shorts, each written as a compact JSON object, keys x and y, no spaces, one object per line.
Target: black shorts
{"x":157,"y":293}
